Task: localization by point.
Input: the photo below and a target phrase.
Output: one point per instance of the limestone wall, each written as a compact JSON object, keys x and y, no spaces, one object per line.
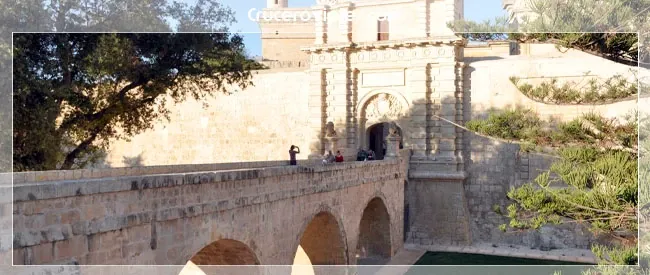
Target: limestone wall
{"x":489,"y":85}
{"x":257,"y":124}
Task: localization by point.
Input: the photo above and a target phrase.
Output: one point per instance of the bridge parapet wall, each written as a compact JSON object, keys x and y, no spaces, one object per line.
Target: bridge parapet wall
{"x":164,"y":217}
{"x":82,"y":174}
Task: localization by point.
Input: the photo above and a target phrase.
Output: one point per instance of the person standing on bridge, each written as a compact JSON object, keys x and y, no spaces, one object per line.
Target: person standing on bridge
{"x":292,"y":154}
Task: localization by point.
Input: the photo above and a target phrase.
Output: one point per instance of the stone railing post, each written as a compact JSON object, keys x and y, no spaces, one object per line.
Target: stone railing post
{"x":392,"y":143}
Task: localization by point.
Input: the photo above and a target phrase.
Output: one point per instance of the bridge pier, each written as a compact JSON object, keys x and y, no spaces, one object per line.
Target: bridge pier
{"x":437,"y":205}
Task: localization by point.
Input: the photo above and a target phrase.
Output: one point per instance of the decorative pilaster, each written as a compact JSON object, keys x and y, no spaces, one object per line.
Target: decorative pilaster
{"x":423,"y":18}
{"x":419,"y":114}
{"x":460,"y":111}
{"x":337,"y":93}
{"x":320,"y":25}
{"x":446,"y":90}
{"x":352,"y":98}
{"x":345,"y":24}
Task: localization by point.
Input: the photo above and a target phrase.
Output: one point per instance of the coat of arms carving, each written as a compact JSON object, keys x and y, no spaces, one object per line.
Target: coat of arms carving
{"x":383,"y":106}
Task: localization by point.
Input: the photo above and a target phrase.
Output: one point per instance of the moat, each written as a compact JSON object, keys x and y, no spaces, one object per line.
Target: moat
{"x":453,"y":258}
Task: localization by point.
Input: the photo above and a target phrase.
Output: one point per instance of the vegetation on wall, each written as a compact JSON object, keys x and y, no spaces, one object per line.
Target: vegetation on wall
{"x":595,"y":91}
{"x":593,"y":179}
{"x":526,"y":128}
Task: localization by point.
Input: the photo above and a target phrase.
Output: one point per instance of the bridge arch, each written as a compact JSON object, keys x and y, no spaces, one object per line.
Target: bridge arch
{"x":374,"y":245}
{"x":225,"y":252}
{"x":322,"y":240}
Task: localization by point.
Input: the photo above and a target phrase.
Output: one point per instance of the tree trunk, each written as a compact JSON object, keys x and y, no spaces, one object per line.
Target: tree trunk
{"x":72,"y":156}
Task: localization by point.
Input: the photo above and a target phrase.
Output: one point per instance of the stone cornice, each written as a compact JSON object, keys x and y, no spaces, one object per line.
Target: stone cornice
{"x":415,"y":42}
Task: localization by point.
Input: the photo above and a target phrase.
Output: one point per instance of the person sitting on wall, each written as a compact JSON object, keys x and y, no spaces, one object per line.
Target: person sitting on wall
{"x":292,"y":154}
{"x":330,"y":157}
{"x":361,"y":155}
{"x":371,"y":155}
{"x":339,"y":157}
{"x":326,"y":157}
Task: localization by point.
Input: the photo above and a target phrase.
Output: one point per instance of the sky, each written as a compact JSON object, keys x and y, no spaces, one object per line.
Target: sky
{"x":475,"y":10}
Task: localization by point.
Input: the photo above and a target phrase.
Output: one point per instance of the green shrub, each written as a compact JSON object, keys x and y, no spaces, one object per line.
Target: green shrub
{"x":613,"y":88}
{"x":595,"y":157}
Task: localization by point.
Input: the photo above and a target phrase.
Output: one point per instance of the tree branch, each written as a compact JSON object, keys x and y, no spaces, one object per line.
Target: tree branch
{"x":72,"y":156}
{"x":97,"y":115}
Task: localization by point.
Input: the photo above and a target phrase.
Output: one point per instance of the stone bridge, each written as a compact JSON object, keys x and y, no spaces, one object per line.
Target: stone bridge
{"x":214,"y":214}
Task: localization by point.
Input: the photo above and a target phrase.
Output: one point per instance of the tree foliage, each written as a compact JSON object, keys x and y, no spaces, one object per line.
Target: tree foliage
{"x":75,"y":92}
{"x":94,"y":16}
{"x":592,"y":180}
{"x":608,"y":28}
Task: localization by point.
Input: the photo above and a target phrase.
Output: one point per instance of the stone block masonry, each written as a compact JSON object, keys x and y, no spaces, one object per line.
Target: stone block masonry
{"x":495,"y":168}
{"x":165,"y":217}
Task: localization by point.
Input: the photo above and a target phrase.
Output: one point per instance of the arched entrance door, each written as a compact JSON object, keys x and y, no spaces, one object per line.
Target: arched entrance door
{"x":377,"y":138}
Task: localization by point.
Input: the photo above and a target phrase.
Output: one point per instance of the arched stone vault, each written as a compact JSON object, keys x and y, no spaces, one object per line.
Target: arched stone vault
{"x":225,"y":252}
{"x":374,"y":245}
{"x":323,"y":238}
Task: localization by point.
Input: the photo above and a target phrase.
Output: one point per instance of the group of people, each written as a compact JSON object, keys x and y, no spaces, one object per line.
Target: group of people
{"x":330,"y":158}
{"x":365,"y":155}
{"x":362,"y":155}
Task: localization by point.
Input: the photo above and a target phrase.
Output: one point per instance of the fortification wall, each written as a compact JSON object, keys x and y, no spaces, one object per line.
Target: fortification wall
{"x":256,"y":124}
{"x":489,"y":84}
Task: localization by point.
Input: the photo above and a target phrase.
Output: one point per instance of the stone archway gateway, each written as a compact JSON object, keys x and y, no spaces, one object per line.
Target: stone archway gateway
{"x":378,"y":111}
{"x":374,"y":244}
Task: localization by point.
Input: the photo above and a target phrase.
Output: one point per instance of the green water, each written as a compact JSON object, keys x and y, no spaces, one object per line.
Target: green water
{"x":451,"y":258}
{"x":478,"y":264}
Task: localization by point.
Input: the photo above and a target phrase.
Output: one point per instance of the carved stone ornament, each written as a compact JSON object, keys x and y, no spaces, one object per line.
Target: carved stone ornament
{"x":329,"y":130}
{"x":392,"y":130}
{"x":383,"y":106}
